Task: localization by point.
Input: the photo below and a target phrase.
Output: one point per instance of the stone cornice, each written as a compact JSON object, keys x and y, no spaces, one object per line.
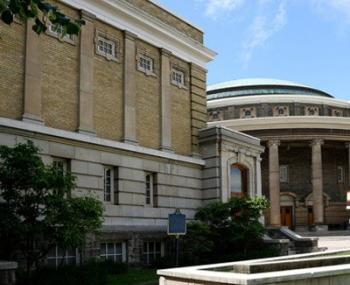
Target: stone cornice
{"x":36,"y":128}
{"x":288,"y":122}
{"x":278,"y":99}
{"x":125,"y":16}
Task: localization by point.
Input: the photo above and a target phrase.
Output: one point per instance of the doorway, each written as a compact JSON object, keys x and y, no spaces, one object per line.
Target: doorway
{"x":287,"y":216}
{"x":310,"y":216}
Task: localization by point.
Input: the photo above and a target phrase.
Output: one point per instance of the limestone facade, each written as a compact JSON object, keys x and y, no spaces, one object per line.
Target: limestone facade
{"x":305,"y":132}
{"x":107,"y":106}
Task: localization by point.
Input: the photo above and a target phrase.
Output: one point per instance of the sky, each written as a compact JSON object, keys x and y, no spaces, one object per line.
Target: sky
{"x":306,"y":41}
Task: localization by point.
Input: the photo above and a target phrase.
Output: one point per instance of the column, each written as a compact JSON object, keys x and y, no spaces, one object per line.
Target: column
{"x":317,"y":181}
{"x":165,"y":102}
{"x":129,"y":88}
{"x":258,"y":190}
{"x":347,"y":145}
{"x":274,"y":183}
{"x":86,"y":80}
{"x":32,"y":77}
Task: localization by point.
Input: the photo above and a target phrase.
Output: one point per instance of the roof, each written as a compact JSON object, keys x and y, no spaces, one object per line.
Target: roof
{"x":260,"y":86}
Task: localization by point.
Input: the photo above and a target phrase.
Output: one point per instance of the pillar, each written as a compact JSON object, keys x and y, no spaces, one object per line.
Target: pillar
{"x":274,"y":183}
{"x":32,"y":77}
{"x":165,"y":102}
{"x":347,"y":145}
{"x":317,"y":181}
{"x":129,"y":88}
{"x":86,"y":80}
{"x":258,"y":190}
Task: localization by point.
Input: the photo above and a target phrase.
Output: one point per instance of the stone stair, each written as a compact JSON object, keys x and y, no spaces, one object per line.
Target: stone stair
{"x":297,"y":244}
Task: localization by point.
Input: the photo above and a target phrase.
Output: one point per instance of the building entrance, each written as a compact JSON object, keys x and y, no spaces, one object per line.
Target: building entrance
{"x":287,"y":216}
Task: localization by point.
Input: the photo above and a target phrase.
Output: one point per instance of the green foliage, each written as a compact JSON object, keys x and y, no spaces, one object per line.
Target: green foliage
{"x":225,"y":231}
{"x":41,"y":12}
{"x":37,"y":209}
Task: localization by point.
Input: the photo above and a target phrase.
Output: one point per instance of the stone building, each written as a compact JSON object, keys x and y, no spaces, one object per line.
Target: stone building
{"x":306,"y":133}
{"x":123,"y":107}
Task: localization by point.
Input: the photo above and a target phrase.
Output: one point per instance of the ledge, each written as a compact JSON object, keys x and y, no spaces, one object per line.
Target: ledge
{"x":289,"y":122}
{"x":36,"y":128}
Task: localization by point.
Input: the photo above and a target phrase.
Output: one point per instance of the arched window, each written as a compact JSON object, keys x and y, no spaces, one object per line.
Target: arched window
{"x":238,"y":180}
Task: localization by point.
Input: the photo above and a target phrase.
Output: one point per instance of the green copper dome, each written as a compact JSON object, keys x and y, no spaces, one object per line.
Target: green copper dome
{"x":260,"y":86}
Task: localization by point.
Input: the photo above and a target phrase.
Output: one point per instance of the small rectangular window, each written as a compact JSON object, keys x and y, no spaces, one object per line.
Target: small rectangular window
{"x":57,"y":31}
{"x":152,"y":251}
{"x":113,"y":251}
{"x":340,"y":174}
{"x":178,"y":77}
{"x":62,"y":164}
{"x":108,"y":184}
{"x":283,"y":173}
{"x":106,"y":47}
{"x":59,"y":256}
{"x":145,"y":64}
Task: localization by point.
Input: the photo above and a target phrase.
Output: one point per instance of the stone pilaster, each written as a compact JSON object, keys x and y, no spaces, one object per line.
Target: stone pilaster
{"x":317,"y":181}
{"x":165,"y":101}
{"x":274,"y":183}
{"x":258,"y":190}
{"x":129,"y":88}
{"x":198,"y":104}
{"x":32,"y":77}
{"x":86,"y":80}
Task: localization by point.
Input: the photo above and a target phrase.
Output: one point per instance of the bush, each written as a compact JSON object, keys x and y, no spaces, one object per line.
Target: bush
{"x":91,"y":273}
{"x":224,"y":232}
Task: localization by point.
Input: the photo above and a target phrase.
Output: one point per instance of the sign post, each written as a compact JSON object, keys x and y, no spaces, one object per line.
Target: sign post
{"x":177,"y":227}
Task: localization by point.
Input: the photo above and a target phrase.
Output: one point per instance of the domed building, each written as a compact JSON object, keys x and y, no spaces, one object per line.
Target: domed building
{"x":306,"y":135}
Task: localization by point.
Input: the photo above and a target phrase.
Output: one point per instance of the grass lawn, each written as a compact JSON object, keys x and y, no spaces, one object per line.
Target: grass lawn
{"x":134,"y":276}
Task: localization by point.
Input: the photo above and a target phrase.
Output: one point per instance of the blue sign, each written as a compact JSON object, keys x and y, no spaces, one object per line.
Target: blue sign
{"x":177,"y":223}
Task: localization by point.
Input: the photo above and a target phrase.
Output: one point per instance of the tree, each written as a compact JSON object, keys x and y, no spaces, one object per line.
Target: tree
{"x":37,"y":208}
{"x":225,"y":231}
{"x":41,"y":12}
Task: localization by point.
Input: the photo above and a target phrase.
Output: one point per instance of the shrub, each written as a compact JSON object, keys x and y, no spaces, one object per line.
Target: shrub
{"x":225,"y":231}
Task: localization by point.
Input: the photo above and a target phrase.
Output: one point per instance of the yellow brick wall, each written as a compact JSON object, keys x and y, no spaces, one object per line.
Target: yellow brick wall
{"x":148,"y":100}
{"x":60,"y":79}
{"x":181,"y":113}
{"x":198,"y":104}
{"x":108,"y":89}
{"x":12,"y":50}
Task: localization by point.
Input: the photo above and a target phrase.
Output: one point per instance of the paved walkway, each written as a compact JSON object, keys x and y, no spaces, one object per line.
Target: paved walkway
{"x":331,"y":240}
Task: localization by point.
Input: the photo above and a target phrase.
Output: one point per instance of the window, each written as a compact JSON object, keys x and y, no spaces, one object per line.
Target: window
{"x":58,"y":256}
{"x":150,"y":189}
{"x":340,"y":174}
{"x":61,"y":163}
{"x":238,"y":180}
{"x":284,"y":173}
{"x":145,"y":64}
{"x":108,"y":184}
{"x":152,"y":251}
{"x":113,"y":251}
{"x":178,"y":78}
{"x":106,"y":48}
{"x":57,"y":31}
